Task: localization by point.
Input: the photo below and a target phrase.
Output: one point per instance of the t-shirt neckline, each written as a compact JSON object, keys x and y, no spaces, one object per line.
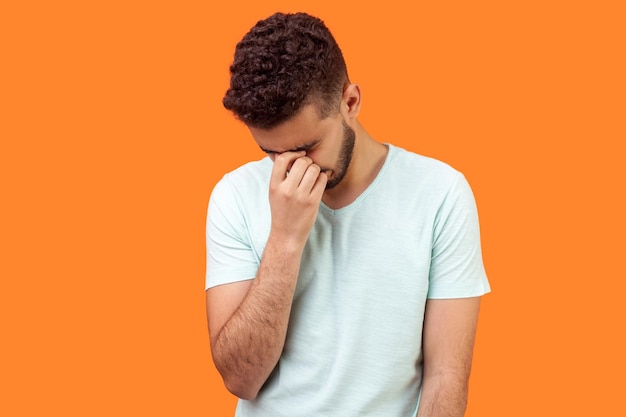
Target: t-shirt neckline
{"x":357,"y":201}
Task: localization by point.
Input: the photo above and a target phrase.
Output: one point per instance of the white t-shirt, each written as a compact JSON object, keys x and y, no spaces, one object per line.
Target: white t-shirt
{"x":353,"y":345}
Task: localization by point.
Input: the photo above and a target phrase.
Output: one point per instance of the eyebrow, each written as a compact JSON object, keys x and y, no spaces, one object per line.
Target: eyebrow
{"x":304,"y":147}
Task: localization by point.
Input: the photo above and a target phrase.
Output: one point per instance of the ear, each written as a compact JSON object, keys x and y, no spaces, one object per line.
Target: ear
{"x":351,"y":101}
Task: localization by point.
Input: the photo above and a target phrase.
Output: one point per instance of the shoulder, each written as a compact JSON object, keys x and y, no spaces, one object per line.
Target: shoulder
{"x":421,"y":172}
{"x":246,"y":180}
{"x":251,"y":173}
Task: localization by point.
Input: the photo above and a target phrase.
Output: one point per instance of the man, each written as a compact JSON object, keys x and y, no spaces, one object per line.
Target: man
{"x":343,"y":274}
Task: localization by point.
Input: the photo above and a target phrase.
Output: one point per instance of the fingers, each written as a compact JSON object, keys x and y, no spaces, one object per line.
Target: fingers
{"x":320,"y":185}
{"x":282,"y":163}
{"x":304,"y":176}
{"x":295,"y":197}
{"x":298,"y":170}
{"x":310,"y":176}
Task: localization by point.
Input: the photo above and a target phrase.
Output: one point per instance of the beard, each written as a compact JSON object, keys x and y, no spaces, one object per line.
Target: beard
{"x":345,"y":156}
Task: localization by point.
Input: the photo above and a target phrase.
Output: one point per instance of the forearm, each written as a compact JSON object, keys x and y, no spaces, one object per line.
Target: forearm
{"x":249,"y":345}
{"x":448,"y":343}
{"x":443,"y":396}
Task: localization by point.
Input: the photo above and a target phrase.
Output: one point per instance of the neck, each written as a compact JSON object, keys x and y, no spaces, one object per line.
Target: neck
{"x":368,"y":158}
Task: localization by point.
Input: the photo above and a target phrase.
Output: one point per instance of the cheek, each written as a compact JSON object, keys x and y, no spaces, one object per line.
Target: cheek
{"x":325,"y":157}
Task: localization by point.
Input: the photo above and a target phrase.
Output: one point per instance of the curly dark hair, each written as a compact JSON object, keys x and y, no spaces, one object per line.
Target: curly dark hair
{"x":283,"y":63}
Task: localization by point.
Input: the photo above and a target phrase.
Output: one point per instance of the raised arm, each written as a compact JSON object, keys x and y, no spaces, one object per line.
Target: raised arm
{"x":248,"y":320}
{"x":448,"y":344}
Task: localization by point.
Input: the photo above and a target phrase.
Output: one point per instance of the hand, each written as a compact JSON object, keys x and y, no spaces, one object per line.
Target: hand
{"x":296,"y":189}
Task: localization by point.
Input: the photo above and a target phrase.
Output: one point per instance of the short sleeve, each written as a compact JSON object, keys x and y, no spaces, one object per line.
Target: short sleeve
{"x":230,"y":256}
{"x":457,"y":269}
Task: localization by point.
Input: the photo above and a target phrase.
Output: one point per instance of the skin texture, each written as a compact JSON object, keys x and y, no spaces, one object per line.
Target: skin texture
{"x":248,"y":330}
{"x":448,"y":342}
{"x":248,"y":320}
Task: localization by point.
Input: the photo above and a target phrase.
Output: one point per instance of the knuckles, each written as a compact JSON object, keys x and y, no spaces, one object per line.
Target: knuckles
{"x":302,"y":161}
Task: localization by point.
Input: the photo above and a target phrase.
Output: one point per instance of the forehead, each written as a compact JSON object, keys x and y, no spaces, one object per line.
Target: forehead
{"x":303,"y":130}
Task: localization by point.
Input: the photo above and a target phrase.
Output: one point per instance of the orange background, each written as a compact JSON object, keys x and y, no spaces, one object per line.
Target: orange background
{"x":113,"y":136}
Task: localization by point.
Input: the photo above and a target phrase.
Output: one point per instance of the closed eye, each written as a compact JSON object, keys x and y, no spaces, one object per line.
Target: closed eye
{"x":305,"y":147}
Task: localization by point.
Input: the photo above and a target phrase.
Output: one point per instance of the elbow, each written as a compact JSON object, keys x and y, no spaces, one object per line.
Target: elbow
{"x":242,"y":381}
{"x":241,"y":389}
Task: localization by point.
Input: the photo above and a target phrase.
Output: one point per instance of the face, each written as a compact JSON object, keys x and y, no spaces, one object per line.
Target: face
{"x":328,"y":142}
{"x":345,"y":156}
